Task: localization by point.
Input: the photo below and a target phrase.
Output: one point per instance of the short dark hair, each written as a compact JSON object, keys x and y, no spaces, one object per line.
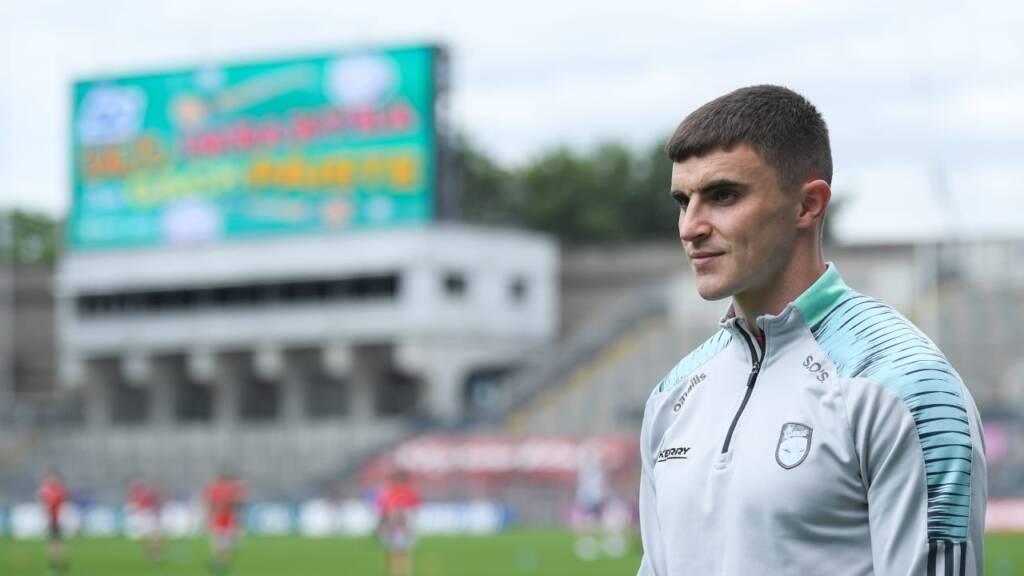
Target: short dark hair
{"x":785,"y":129}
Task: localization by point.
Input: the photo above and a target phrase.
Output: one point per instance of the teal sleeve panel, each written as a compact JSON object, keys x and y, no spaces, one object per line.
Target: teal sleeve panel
{"x":869,"y":340}
{"x":693,"y":360}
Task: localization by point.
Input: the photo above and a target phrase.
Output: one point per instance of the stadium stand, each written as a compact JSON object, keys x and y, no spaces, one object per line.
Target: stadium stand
{"x":627,"y":314}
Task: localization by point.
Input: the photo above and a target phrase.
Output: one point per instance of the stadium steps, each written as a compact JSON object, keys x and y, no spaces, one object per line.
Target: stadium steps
{"x":605,"y":388}
{"x":607,"y":339}
{"x":24,"y":451}
{"x":604,"y":393}
{"x":16,"y":474}
{"x":99,"y":464}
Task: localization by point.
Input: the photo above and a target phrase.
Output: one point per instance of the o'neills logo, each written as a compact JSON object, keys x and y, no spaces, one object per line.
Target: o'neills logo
{"x":673,"y":454}
{"x":689,"y":388}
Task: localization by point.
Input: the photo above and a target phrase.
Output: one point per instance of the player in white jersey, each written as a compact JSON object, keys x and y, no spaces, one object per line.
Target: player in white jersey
{"x":818,"y":432}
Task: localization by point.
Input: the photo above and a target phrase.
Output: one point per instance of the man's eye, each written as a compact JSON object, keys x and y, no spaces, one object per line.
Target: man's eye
{"x":682,"y":199}
{"x":723,"y":196}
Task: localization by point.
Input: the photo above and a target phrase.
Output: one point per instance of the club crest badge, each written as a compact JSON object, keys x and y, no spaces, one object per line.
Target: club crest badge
{"x":794,"y":444}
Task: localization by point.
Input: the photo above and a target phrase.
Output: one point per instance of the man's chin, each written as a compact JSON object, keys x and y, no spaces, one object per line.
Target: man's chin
{"x":712,"y":293}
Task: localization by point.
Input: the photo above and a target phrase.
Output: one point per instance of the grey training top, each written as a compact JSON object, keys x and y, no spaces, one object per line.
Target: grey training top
{"x":847,"y":445}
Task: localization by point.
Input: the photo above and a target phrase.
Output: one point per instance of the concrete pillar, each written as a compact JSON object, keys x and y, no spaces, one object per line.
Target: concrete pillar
{"x":363,"y":380}
{"x":136,"y":369}
{"x":443,"y":396}
{"x":338,"y":359}
{"x":162,"y":384}
{"x":201,"y":365}
{"x":293,"y":384}
{"x":141,"y":370}
{"x":273,"y":364}
{"x":340,"y":363}
{"x":201,"y":369}
{"x":268,"y":362}
{"x":97,"y":396}
{"x":226,"y":395}
{"x":72,"y":371}
{"x":443,"y":369}
{"x":444,"y":365}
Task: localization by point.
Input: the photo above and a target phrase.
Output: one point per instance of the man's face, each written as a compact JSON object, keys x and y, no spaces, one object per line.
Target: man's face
{"x":737,"y":225}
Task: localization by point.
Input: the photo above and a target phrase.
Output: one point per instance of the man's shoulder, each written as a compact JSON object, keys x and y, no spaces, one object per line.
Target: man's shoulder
{"x":889,"y":356}
{"x":867,"y":338}
{"x":693,"y":360}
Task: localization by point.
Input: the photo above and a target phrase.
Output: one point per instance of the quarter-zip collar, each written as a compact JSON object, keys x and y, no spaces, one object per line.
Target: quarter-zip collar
{"x":827,"y":292}
{"x":779,"y":330}
{"x":805,"y":312}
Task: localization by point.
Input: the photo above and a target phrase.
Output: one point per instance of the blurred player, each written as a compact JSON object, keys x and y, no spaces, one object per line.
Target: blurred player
{"x":591,"y":495}
{"x":224,"y":498}
{"x":616,"y":521}
{"x":53,"y":496}
{"x":145,"y":502}
{"x":397,"y":503}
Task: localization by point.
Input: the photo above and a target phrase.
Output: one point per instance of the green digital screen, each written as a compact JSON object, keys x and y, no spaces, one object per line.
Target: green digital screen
{"x":215,"y":153}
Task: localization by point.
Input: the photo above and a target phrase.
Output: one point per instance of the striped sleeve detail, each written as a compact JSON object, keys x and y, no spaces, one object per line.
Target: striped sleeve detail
{"x":868,"y":339}
{"x":693,"y":360}
{"x":947,"y":558}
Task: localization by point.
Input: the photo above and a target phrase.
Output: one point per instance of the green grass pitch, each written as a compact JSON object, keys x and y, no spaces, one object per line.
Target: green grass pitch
{"x":518,"y":553}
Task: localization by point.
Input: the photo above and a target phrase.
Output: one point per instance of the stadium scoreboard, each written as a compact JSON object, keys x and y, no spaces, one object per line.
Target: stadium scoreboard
{"x":223,"y":152}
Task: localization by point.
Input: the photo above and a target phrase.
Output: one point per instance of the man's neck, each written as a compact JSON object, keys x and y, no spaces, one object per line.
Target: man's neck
{"x":776,"y":296}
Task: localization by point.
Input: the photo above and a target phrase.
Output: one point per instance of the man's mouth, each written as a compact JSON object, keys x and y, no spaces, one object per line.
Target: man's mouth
{"x":703,"y":258}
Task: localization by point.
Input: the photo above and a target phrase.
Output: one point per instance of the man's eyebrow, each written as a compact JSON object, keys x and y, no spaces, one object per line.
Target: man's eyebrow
{"x":713,"y":186}
{"x":723,"y":184}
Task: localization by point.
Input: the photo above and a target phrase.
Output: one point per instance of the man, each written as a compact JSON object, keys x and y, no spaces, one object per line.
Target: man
{"x":819,"y":431}
{"x":591,"y":497}
{"x":224,"y":497}
{"x":144,"y":504}
{"x":396,"y":504}
{"x":53,"y":496}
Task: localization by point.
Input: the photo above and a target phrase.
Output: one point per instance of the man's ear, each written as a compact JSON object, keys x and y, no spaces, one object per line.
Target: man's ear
{"x":814,"y":199}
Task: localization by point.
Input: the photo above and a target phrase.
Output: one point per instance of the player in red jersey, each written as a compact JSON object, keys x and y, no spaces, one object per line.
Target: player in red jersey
{"x":396,"y":504}
{"x":145,"y":503}
{"x":53,"y":496}
{"x":224,"y":497}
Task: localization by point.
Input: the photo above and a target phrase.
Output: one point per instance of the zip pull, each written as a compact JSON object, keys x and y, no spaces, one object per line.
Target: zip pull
{"x":753,"y":373}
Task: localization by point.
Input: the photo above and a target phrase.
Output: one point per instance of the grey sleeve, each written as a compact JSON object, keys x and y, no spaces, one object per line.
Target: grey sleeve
{"x":902,"y":458}
{"x":653,"y":562}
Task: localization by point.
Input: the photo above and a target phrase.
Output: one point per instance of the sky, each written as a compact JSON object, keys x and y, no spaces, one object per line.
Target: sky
{"x":924,"y":100}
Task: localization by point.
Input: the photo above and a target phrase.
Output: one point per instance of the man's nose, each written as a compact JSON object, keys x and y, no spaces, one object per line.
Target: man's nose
{"x":693,"y":224}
